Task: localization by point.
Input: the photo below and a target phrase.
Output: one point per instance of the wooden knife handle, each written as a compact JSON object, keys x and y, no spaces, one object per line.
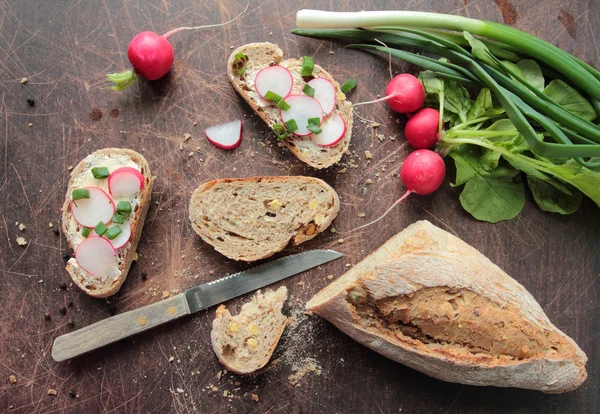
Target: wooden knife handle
{"x":118,"y":327}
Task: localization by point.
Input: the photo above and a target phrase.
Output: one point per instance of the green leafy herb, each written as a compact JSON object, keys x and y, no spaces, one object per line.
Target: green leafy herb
{"x":308,"y":65}
{"x":100,"y":228}
{"x":80,"y":193}
{"x":291,"y":125}
{"x":308,"y":90}
{"x":119,"y":219}
{"x":124,"y":208}
{"x":240,"y":63}
{"x":280,"y":131}
{"x":85,"y":232}
{"x":100,"y":172}
{"x":548,"y":198}
{"x":570,"y":99}
{"x":347,"y":86}
{"x":314,"y":129}
{"x":113,"y":232}
{"x":532,"y":73}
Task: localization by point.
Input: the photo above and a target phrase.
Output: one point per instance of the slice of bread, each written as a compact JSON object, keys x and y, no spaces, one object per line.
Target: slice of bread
{"x":261,"y":55}
{"x":244,"y":343}
{"x":112,"y":158}
{"x":253,"y":218}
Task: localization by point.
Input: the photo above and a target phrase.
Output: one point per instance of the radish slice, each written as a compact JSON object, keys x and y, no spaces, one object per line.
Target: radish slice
{"x":324,"y":93}
{"x":333,"y":130}
{"x":125,"y":181}
{"x":302,"y":109}
{"x":90,"y":211}
{"x":276,"y":79}
{"x":96,"y":256}
{"x":226,"y":136}
{"x":122,"y":239}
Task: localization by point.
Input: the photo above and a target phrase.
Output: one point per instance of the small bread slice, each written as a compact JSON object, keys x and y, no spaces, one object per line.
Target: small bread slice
{"x":253,"y":218}
{"x":261,"y":55}
{"x":244,"y":343}
{"x":429,"y":300}
{"x":112,"y":158}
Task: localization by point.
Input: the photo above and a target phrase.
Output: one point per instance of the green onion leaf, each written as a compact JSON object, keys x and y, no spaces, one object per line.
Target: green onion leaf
{"x":314,"y":121}
{"x":100,"y":228}
{"x":308,"y":64}
{"x":113,"y":232}
{"x":291,"y":125}
{"x":240,"y":62}
{"x":85,"y":232}
{"x":348,"y":85}
{"x":309,"y":90}
{"x":117,"y":218}
{"x":80,"y":193}
{"x":279,"y":131}
{"x":124,"y":208}
{"x":100,"y":172}
{"x":277,"y":100}
{"x":314,"y":129}
{"x":281,"y":104}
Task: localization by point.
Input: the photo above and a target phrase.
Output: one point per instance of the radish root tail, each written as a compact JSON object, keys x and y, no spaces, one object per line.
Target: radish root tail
{"x":181,"y":29}
{"x":408,"y":192}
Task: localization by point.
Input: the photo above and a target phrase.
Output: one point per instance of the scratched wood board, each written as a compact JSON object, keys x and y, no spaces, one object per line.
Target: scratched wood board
{"x":65,"y":49}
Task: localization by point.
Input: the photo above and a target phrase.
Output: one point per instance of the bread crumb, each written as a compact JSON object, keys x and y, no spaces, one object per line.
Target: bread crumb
{"x":30,"y":125}
{"x":361,"y":215}
{"x":369,"y":181}
{"x":70,"y":167}
{"x":50,"y":225}
{"x":180,"y":390}
{"x":270,"y":33}
{"x":165,"y":294}
{"x":24,"y":80}
{"x":254,"y":397}
{"x":22,"y":226}
{"x":21,"y":241}
{"x":171,"y":359}
{"x":186,"y":136}
{"x":375,"y":124}
{"x":191,"y":154}
{"x":368,"y":155}
{"x":12,"y":379}
{"x":52,"y":391}
{"x":330,"y":277}
{"x":308,"y":313}
{"x":300,"y":283}
{"x":340,"y":241}
{"x":348,"y":264}
{"x":306,"y":366}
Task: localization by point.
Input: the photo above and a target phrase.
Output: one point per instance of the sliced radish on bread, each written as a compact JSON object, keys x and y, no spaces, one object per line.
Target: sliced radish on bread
{"x":332,"y":131}
{"x":96,"y":256}
{"x":276,"y":79}
{"x":324,"y":93}
{"x":122,"y":239}
{"x":302,"y":108}
{"x":90,"y":211}
{"x":125,"y":181}
{"x":226,"y":136}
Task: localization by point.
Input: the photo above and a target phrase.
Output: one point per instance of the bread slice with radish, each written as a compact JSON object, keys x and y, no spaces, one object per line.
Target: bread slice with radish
{"x":253,"y":218}
{"x":107,"y":200}
{"x":256,"y":68}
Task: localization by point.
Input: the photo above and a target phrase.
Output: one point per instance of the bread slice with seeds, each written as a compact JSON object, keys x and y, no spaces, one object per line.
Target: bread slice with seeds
{"x":244,"y":343}
{"x":262,"y":55}
{"x":252,"y":218}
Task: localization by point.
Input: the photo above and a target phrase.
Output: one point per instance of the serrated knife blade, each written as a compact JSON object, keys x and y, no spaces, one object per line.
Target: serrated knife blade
{"x":195,"y":299}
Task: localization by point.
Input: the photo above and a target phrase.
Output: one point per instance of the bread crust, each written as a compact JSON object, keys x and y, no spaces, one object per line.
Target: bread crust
{"x":261,"y":55}
{"x":80,"y":276}
{"x":424,"y":257}
{"x":297,"y":236}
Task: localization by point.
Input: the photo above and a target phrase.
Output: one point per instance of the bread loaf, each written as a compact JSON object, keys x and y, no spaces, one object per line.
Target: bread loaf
{"x":430,"y":301}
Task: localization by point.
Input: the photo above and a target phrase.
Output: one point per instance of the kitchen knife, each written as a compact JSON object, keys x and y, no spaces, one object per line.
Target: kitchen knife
{"x":121,"y":326}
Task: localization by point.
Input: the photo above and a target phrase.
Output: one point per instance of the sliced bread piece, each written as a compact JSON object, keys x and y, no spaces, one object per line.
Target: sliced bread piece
{"x":253,"y":218}
{"x":244,"y":343}
{"x":430,"y":301}
{"x":108,"y":282}
{"x":262,"y":55}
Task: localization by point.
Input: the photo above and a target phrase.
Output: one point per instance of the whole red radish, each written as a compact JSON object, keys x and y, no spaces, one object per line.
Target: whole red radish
{"x":151,"y":56}
{"x":404,"y":94}
{"x":421,"y":130}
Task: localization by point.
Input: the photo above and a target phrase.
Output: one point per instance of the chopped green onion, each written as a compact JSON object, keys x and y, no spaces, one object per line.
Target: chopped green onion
{"x":85,"y":232}
{"x":240,"y":62}
{"x":100,"y":228}
{"x":124,"y":208}
{"x":308,"y":64}
{"x":279,"y":131}
{"x":314,"y":129}
{"x":80,"y":193}
{"x":309,"y":90}
{"x":277,"y":100}
{"x":291,"y":125}
{"x":100,"y":172}
{"x":314,"y":121}
{"x":119,"y":219}
{"x":348,"y":85}
{"x":113,"y":232}
{"x":281,"y":104}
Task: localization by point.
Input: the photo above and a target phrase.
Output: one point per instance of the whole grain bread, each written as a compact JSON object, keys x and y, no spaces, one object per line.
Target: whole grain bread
{"x":253,"y":218}
{"x":430,"y":301}
{"x":244,"y":343}
{"x":94,"y":286}
{"x":261,"y":55}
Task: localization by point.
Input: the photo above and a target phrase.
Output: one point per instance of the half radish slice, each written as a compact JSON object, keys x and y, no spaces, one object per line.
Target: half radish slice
{"x":90,"y":211}
{"x":303,"y":108}
{"x":96,"y":256}
{"x":125,"y":181}
{"x":122,"y":239}
{"x":226,"y":136}
{"x":276,"y":79}
{"x":324,"y":93}
{"x":332,"y":131}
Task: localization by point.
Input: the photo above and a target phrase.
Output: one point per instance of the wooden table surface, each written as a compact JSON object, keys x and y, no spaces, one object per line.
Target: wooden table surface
{"x":64,"y":48}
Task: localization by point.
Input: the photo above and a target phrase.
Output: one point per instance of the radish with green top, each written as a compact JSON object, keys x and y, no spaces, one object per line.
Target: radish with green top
{"x":422,"y":128}
{"x":152,"y":56}
{"x":404,"y":94}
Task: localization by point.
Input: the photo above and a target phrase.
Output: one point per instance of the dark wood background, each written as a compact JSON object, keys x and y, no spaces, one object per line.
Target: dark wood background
{"x":64,"y":48}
